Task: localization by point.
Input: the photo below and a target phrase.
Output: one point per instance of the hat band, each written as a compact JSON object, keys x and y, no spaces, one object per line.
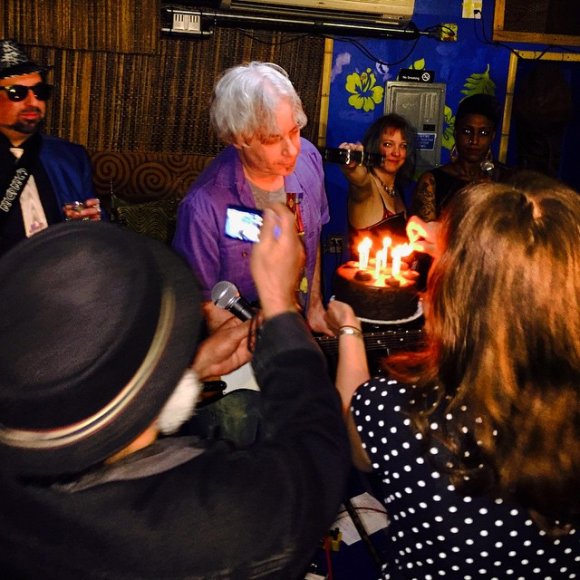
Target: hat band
{"x":53,"y":438}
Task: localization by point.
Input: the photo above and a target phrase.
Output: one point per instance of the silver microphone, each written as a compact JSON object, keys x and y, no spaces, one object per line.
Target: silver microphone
{"x":227,"y":296}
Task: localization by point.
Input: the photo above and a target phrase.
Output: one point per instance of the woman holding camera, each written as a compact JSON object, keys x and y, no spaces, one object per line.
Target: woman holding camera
{"x":376,"y":193}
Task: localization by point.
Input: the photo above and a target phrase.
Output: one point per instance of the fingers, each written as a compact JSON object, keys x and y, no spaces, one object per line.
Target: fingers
{"x":223,"y":351}
{"x":340,"y":314}
{"x":278,"y":221}
{"x":424,"y":236}
{"x":355,"y":146}
{"x":351,"y":147}
{"x":90,"y":209}
{"x":416,"y":229}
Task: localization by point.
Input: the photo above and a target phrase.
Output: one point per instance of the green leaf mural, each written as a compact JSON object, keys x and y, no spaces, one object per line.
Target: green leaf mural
{"x":418,"y":64}
{"x":447,"y":139}
{"x":475,"y":83}
{"x":365,"y":93}
{"x":479,"y":83}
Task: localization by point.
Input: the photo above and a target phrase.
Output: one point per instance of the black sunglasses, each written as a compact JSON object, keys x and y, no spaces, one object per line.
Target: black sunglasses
{"x":41,"y":91}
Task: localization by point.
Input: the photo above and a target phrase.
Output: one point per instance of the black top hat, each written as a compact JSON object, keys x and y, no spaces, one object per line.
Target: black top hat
{"x":14,"y":62}
{"x":97,"y":326}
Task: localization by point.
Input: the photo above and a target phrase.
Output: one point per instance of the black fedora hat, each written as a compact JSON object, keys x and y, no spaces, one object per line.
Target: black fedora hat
{"x":14,"y":61}
{"x":97,"y":326}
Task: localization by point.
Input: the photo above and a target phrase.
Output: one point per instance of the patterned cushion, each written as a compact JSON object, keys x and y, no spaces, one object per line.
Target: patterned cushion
{"x":141,"y":190}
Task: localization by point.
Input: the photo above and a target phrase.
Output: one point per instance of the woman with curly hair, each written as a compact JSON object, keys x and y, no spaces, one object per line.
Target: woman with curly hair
{"x":476,"y":438}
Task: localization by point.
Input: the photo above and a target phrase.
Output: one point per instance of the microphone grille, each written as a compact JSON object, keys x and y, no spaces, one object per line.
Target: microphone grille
{"x":223,"y":293}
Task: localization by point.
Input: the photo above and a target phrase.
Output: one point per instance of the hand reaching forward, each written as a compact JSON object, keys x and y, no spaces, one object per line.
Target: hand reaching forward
{"x":425,"y":236}
{"x":276,"y":262}
{"x":341,"y":314}
{"x":352,"y":147}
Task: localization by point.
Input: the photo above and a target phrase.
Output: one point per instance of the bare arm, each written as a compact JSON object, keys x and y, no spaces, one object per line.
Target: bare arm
{"x":352,"y":371}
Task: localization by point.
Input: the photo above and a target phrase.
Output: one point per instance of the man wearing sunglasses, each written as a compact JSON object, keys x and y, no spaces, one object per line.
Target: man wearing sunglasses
{"x":43,"y":179}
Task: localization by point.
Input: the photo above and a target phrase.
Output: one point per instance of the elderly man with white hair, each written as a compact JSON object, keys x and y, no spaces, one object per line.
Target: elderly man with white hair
{"x":258,"y":114}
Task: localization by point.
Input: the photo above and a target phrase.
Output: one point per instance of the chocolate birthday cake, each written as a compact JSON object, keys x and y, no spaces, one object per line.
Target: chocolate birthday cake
{"x":382,"y":298}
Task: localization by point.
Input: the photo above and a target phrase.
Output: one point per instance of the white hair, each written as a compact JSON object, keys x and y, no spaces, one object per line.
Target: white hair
{"x":246,"y":99}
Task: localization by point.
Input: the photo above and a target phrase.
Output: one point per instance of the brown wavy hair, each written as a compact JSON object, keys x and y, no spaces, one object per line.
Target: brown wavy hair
{"x":374,"y":134}
{"x":502,"y":352}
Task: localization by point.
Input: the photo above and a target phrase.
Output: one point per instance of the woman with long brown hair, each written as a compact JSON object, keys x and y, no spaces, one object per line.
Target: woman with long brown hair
{"x":476,"y":438}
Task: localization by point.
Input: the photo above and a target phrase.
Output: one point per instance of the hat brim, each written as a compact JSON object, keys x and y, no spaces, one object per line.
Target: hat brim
{"x":176,"y":355}
{"x":23,"y":69}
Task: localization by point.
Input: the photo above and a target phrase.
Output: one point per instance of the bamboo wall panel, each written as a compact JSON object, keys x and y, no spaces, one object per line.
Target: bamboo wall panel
{"x":122,"y":98}
{"x":115,"y":25}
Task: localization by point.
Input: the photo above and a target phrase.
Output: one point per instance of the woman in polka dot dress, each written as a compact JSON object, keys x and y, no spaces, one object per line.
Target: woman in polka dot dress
{"x":476,"y":438}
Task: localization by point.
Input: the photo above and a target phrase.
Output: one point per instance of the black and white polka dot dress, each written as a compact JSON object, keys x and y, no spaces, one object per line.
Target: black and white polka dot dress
{"x":435,"y":532}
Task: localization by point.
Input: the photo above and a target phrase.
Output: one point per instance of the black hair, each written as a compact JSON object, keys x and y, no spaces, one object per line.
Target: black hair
{"x":479,"y":104}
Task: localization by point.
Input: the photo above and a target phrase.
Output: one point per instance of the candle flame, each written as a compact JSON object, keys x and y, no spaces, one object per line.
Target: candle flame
{"x":398,"y":252}
{"x":405,"y":249}
{"x":380,"y":262}
{"x":364,"y":249}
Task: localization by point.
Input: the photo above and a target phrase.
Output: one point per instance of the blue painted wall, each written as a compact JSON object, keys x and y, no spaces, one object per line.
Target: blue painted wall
{"x":362,"y":66}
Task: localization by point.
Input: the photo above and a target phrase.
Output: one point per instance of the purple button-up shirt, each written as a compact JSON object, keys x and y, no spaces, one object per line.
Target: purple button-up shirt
{"x":200,"y":238}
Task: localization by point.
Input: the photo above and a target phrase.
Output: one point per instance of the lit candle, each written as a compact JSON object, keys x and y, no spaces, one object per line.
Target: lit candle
{"x":386,"y":243}
{"x":396,"y":268}
{"x":364,"y":249}
{"x":380,"y":261}
{"x":398,"y":252}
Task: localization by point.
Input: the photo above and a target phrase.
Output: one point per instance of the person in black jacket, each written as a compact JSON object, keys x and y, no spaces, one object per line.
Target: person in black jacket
{"x":92,"y":486}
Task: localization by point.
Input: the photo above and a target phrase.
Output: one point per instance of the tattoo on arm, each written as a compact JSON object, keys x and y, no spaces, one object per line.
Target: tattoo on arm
{"x":424,"y":198}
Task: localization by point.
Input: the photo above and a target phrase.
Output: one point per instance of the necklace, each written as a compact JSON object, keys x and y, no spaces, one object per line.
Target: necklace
{"x":389,"y":189}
